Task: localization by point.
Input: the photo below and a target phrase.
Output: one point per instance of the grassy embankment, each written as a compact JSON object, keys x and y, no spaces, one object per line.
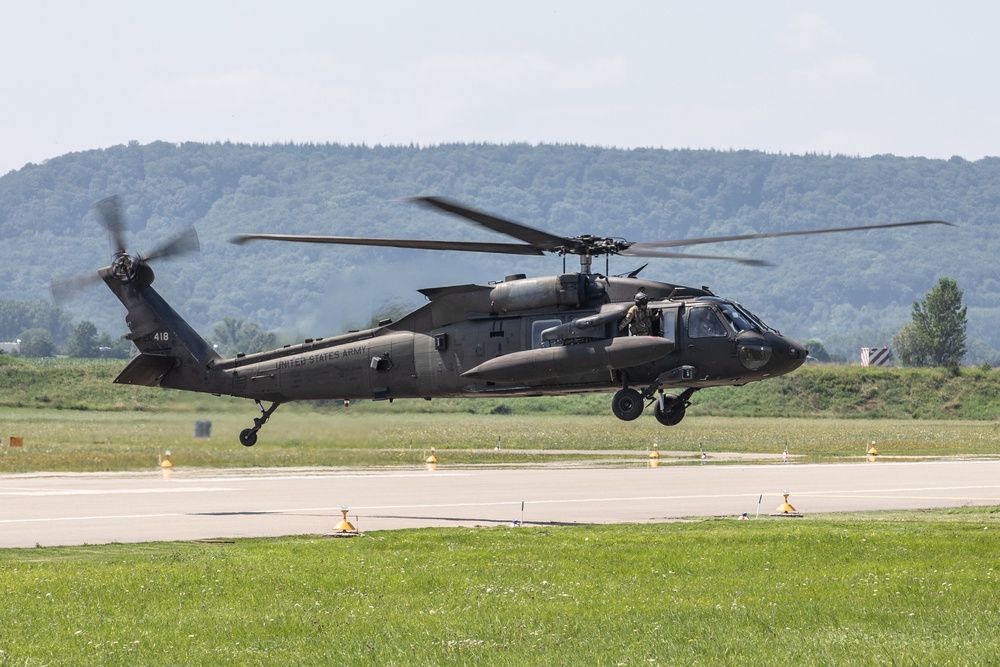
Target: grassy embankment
{"x":73,"y":418}
{"x":812,"y":391}
{"x":908,"y":588}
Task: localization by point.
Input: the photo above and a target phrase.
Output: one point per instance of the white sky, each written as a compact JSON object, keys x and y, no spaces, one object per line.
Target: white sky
{"x":906,"y":77}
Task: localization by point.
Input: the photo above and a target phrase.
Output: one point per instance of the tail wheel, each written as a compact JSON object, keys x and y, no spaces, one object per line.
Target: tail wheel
{"x":627,"y":404}
{"x":672,"y":412}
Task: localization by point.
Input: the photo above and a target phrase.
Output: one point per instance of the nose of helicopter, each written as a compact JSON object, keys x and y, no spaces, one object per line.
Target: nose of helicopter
{"x":769,"y":354}
{"x":787,"y":355}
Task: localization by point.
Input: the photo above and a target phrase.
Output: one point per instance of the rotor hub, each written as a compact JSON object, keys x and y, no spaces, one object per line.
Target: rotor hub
{"x":588,"y":244}
{"x":123,"y":266}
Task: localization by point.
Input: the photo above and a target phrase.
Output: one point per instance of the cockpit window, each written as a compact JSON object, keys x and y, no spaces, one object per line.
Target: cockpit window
{"x":705,"y":323}
{"x":759,"y":323}
{"x":739,"y":321}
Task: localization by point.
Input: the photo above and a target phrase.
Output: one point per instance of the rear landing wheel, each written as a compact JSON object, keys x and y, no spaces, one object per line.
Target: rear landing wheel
{"x":627,"y":404}
{"x":248,"y":436}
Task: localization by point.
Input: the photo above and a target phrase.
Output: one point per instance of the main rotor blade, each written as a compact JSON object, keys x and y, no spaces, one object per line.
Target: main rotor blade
{"x":110,"y":211}
{"x":645,"y":252}
{"x":420,"y":244}
{"x":183,"y":243}
{"x":536,"y":237}
{"x":767,"y":235}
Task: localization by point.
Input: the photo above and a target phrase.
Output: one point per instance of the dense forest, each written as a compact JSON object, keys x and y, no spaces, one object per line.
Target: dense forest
{"x":845,"y":290}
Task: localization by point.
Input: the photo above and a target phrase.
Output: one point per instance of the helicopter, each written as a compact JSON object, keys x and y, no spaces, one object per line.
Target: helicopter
{"x":651,"y":343}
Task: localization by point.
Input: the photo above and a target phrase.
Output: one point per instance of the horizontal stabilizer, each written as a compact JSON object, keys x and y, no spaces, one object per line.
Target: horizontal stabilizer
{"x":146,"y":370}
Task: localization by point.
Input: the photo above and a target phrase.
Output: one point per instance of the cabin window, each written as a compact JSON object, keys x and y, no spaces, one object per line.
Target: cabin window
{"x":705,"y":323}
{"x":668,"y":324}
{"x":537,"y":327}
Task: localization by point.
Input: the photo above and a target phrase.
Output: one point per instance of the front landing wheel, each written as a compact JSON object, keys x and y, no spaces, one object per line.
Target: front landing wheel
{"x":673,"y":410}
{"x":248,"y":437}
{"x":627,"y":404}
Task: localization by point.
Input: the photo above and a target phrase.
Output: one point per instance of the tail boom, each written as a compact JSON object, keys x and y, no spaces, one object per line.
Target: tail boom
{"x":171,"y":353}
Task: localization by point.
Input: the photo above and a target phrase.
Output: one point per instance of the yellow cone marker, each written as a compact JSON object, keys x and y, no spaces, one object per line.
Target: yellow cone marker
{"x":872,"y":453}
{"x":432,"y":458}
{"x":785,"y":509}
{"x":344,"y":526}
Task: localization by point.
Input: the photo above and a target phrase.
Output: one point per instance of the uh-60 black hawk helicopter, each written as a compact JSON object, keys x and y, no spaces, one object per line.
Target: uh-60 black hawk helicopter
{"x":555,"y":335}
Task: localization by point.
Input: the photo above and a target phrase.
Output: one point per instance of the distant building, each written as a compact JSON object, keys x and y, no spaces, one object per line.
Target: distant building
{"x":10,"y":348}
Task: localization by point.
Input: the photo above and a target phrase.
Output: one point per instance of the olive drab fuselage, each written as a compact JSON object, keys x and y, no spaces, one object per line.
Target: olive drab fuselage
{"x":520,"y":337}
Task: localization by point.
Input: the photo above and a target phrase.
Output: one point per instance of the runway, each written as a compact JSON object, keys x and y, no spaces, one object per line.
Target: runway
{"x":75,"y":509}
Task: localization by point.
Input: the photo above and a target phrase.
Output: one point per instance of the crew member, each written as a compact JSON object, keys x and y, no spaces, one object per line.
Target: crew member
{"x":637,"y":317}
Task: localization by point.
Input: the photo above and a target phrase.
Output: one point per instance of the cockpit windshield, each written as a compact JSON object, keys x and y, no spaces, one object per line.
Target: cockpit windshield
{"x":757,"y":322}
{"x":761,"y":325}
{"x":738,"y":319}
{"x":742,"y":319}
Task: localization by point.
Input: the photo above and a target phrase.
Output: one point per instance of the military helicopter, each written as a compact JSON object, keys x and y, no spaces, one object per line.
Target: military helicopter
{"x":652,"y":343}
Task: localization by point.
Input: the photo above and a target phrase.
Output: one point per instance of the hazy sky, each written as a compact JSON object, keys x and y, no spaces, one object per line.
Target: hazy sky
{"x":845,"y":77}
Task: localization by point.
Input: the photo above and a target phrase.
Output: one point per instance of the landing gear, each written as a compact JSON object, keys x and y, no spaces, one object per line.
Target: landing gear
{"x":627,"y":404}
{"x":669,"y":409}
{"x":248,"y":436}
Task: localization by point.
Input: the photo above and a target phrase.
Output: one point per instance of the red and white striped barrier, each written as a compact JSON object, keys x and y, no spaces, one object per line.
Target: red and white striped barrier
{"x":875,"y":356}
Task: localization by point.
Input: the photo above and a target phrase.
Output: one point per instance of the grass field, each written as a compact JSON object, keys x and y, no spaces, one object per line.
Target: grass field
{"x":70,"y":440}
{"x":72,"y":417}
{"x":902,"y":589}
{"x":824,"y":390}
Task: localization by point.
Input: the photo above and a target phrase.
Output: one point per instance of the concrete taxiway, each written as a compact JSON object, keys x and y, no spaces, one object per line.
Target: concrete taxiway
{"x":73,"y":509}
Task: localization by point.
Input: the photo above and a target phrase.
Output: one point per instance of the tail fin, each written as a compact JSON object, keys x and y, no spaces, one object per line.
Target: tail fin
{"x":171,"y":353}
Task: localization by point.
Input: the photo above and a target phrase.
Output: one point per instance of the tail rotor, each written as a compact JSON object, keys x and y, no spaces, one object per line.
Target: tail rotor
{"x":124,"y":266}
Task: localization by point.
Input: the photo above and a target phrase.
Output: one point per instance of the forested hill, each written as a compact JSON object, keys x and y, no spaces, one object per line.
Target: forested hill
{"x":846,"y":290}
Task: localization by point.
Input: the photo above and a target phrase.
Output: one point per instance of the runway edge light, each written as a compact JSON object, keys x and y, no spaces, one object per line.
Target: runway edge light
{"x":786,"y":509}
{"x":345,"y":528}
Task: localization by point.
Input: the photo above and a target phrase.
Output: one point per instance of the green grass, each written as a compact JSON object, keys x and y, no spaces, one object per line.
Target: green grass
{"x":830,"y":391}
{"x":60,"y":440}
{"x":918,"y":588}
{"x":73,"y":417}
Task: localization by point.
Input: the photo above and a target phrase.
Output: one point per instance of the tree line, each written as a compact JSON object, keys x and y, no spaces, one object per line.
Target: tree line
{"x":44,"y":330}
{"x":843,"y":291}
